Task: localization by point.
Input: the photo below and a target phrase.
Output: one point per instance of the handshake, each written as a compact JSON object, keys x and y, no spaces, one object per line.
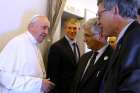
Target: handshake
{"x":47,"y":85}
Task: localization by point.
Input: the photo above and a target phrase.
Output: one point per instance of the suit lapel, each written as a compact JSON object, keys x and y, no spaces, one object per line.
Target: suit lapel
{"x":68,"y":49}
{"x":81,"y":66}
{"x":120,"y":42}
{"x":97,"y":65}
{"x":78,"y":51}
{"x":119,"y":47}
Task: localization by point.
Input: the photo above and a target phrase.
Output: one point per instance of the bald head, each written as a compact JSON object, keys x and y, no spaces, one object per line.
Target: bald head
{"x":38,"y":27}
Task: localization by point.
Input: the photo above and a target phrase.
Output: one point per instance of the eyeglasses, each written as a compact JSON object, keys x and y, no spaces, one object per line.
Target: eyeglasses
{"x":99,"y":15}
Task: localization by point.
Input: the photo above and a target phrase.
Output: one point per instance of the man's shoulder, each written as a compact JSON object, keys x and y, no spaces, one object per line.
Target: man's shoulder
{"x":133,"y":29}
{"x":14,"y":44}
{"x":58,"y":43}
{"x":16,"y":39}
{"x":89,"y":53}
{"x":132,"y":35}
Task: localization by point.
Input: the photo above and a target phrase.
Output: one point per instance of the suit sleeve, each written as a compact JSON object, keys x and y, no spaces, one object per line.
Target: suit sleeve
{"x":53,"y":69}
{"x":20,"y":83}
{"x":130,"y":75}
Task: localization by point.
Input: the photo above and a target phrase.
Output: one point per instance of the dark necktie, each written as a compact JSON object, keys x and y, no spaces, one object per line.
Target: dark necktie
{"x":91,"y":64}
{"x":94,"y":57}
{"x":74,"y":51}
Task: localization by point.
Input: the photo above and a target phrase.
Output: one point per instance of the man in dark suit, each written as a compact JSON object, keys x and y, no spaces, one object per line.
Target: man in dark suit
{"x":63,"y":58}
{"x":123,"y":72}
{"x":91,"y":70}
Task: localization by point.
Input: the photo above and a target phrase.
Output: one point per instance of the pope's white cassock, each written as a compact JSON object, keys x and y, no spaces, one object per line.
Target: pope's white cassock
{"x":21,"y":66}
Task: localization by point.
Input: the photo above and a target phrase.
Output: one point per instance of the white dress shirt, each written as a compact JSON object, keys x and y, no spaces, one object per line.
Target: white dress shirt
{"x":21,"y":66}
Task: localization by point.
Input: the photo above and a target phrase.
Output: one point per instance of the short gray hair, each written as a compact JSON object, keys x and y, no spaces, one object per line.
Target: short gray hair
{"x":92,"y":25}
{"x":127,"y":8}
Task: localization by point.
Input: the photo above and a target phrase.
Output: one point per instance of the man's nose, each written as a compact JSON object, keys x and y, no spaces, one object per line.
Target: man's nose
{"x":46,"y":32}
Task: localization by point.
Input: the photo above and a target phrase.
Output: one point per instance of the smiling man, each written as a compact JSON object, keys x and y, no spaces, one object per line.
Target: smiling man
{"x":63,"y":57}
{"x":21,"y":64}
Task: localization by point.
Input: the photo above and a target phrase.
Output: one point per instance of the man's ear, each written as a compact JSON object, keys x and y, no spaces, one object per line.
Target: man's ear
{"x":100,"y":36}
{"x":30,"y":26}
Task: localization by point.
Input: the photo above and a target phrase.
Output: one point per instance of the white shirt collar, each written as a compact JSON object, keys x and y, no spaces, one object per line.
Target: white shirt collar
{"x":102,"y":49}
{"x":31,"y":37}
{"x":70,"y":41}
{"x":100,"y":52}
{"x":124,"y":29}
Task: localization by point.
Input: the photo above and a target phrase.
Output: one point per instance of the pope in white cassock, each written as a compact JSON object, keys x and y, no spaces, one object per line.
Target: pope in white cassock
{"x":21,"y":65}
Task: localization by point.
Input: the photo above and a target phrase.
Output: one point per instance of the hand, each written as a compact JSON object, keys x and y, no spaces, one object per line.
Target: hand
{"x":47,"y":85}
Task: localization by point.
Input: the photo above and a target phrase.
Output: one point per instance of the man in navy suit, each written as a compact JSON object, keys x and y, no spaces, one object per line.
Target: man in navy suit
{"x":63,"y":57}
{"x":90,"y":72}
{"x":123,"y":72}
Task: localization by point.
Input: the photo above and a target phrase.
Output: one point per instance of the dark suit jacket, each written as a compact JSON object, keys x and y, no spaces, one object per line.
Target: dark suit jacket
{"x":61,"y":65}
{"x":90,"y":83}
{"x":123,"y":74}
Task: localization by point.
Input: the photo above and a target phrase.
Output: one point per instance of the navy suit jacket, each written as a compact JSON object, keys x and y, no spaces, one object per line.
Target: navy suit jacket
{"x":91,"y":81}
{"x":123,"y":74}
{"x":61,"y":65}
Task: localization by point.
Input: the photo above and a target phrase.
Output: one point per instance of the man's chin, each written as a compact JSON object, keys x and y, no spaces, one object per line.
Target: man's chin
{"x":72,"y":39}
{"x":40,"y":41}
